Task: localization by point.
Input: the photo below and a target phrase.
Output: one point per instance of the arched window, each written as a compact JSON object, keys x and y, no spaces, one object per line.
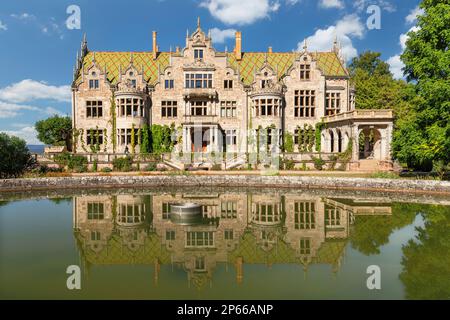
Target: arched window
{"x":331,"y":141}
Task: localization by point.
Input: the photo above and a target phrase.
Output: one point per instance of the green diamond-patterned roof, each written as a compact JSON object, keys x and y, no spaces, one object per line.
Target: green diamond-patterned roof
{"x":116,"y":60}
{"x":118,"y":253}
{"x":328,"y":63}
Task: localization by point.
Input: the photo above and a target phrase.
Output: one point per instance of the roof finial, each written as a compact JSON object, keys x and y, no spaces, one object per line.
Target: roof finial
{"x":198,"y":22}
{"x":131,"y":57}
{"x":305,"y":45}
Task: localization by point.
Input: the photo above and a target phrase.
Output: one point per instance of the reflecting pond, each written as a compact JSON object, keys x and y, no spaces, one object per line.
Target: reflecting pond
{"x":248,"y":244}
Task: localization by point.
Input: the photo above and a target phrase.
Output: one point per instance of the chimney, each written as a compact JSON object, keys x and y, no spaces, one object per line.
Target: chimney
{"x":270,"y":49}
{"x":238,"y":48}
{"x":155,"y":46}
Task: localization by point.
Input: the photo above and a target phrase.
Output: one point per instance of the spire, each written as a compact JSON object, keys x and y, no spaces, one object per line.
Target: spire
{"x":305,"y":45}
{"x":198,"y":23}
{"x":84,"y":47}
{"x":131,"y":57}
{"x":336,"y":45}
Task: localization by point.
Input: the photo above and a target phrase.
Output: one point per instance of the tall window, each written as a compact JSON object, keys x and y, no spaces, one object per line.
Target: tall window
{"x":199,"y":239}
{"x":231,"y":137}
{"x":266,"y":212}
{"x":168,"y":84}
{"x":332,"y":217}
{"x":94,"y":109}
{"x":305,"y":72}
{"x":198,"y":54}
{"x":333,"y":103}
{"x":228,"y":109}
{"x":129,"y":107}
{"x":304,"y":215}
{"x":304,"y":103}
{"x":228,"y":84}
{"x":94,"y":137}
{"x":169,"y":109}
{"x":228,"y":210}
{"x":93,"y":84}
{"x":305,"y":246}
{"x":199,"y":108}
{"x":95,"y":210}
{"x":95,"y":236}
{"x":228,"y":234}
{"x":198,"y":80}
{"x":165,"y":210}
{"x":124,"y":136}
{"x":266,"y":107}
{"x":170,"y":235}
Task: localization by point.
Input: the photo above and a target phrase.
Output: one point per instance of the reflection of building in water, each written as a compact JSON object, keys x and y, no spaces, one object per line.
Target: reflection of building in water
{"x":236,"y":229}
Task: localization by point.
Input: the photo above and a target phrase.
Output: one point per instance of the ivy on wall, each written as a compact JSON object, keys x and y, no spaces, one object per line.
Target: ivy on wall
{"x":133,"y":140}
{"x":319,"y":127}
{"x":113,"y":120}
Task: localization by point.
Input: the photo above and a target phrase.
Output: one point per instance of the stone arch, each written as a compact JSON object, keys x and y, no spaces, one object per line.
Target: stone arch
{"x":339,"y":140}
{"x":370,"y":143}
{"x":332,"y":137}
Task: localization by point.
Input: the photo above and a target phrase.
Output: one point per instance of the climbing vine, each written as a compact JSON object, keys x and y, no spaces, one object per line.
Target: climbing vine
{"x":133,"y":140}
{"x":306,"y":138}
{"x":113,"y":121}
{"x":145,"y":145}
{"x":319,"y":127}
{"x":288,"y":142}
{"x":105,"y":140}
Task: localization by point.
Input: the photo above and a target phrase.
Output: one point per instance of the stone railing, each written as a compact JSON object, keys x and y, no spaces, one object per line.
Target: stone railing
{"x":200,"y":119}
{"x":276,"y":90}
{"x":199,"y":92}
{"x":360,"y":114}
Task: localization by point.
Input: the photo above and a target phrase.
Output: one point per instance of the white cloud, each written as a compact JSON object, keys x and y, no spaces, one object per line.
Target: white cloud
{"x":28,"y":90}
{"x":240,"y":12}
{"x":27,"y":133}
{"x":396,"y":65}
{"x":349,"y":27}
{"x":404,"y":37}
{"x":220,"y":36}
{"x":362,"y":5}
{"x":24,"y":16}
{"x":327,"y":4}
{"x":11,"y":110}
{"x":3,"y":26}
{"x":292,"y":2}
{"x":412,"y":16}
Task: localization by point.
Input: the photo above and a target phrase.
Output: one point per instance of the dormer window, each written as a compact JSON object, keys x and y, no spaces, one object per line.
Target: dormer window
{"x":228,"y":84}
{"x":198,"y":54}
{"x":93,"y":84}
{"x":305,"y":71}
{"x":263,"y":84}
{"x":168,"y":84}
{"x":133,"y":83}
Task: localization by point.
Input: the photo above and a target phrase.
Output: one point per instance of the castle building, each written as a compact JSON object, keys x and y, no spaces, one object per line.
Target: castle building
{"x":233,"y":102}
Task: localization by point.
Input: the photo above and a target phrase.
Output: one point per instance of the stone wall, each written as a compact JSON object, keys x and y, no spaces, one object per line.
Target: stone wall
{"x":399,"y":185}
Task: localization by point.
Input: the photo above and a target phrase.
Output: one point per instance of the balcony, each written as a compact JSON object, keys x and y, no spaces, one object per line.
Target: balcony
{"x":271,"y":89}
{"x":201,"y":119}
{"x":189,"y":93}
{"x":381,"y":114}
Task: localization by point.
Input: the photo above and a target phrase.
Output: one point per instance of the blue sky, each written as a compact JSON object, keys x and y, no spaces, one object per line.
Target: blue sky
{"x":38,"y":50}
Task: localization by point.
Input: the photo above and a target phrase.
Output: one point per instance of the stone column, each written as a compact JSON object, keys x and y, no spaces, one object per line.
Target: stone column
{"x":355,"y":135}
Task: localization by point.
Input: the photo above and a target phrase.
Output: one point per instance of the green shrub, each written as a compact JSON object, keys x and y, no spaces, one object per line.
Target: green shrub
{"x":318,"y":163}
{"x":77,"y":163}
{"x":216,"y":167}
{"x":123,"y":164}
{"x":288,"y":164}
{"x":62,"y":159}
{"x":106,"y":170}
{"x":95,"y":166}
{"x":15,"y":157}
{"x":152,"y":166}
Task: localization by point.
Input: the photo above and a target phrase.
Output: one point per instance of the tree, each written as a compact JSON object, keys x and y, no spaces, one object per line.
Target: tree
{"x":426,"y":259}
{"x":427,"y":64}
{"x":374,"y":84}
{"x":15,"y":157}
{"x":55,"y":131}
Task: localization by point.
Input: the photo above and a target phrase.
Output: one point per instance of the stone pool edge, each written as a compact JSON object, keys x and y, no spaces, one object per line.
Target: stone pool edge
{"x":301,"y":182}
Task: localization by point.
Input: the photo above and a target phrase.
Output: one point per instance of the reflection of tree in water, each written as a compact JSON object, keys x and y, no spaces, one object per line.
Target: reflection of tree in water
{"x":61,"y":200}
{"x":369,"y":232}
{"x":426,"y":259}
{"x":3,"y":203}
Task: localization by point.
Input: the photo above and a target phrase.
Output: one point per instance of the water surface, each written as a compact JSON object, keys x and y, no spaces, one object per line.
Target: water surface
{"x":250,"y":244}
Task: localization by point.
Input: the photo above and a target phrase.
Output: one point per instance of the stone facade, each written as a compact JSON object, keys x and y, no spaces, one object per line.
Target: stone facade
{"x":237,"y":229}
{"x":224,"y":102}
